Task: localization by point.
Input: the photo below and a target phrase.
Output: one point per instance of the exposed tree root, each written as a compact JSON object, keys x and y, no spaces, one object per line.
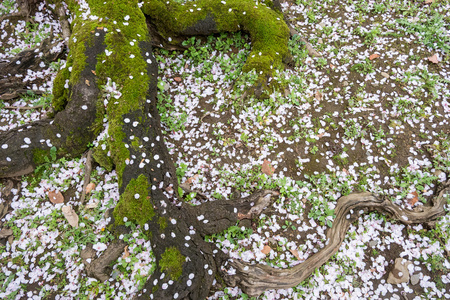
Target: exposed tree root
{"x":13,"y":86}
{"x":255,"y":279}
{"x":99,"y":267}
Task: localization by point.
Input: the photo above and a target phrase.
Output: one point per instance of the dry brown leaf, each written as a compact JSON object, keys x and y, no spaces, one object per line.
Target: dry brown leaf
{"x":267,"y":168}
{"x":414,"y":199}
{"x":90,"y":187}
{"x":373,"y":56}
{"x":321,"y":135}
{"x":177,"y":79}
{"x":433,"y":59}
{"x":266,"y":250}
{"x":125,"y":252}
{"x":5,"y":232}
{"x":295,"y":253}
{"x":429,"y":1}
{"x":190,"y":180}
{"x":87,"y":82}
{"x":93,"y":72}
{"x":70,"y":215}
{"x":318,"y":96}
{"x":55,"y":197}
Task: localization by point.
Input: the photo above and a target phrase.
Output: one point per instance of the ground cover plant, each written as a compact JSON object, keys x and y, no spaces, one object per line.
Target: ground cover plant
{"x":361,"y":104}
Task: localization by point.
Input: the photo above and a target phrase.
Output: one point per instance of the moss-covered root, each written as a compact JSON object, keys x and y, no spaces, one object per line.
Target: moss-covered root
{"x":24,"y":148}
{"x":267,"y":29}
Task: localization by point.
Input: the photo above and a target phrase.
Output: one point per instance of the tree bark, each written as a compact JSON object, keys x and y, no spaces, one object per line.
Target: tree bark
{"x":114,"y":47}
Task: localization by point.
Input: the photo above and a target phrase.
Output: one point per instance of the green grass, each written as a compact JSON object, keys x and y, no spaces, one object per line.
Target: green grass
{"x":433,"y":32}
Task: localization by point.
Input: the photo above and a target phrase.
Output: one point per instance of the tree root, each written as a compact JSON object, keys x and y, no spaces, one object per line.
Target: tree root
{"x":99,"y":268}
{"x":65,"y":26}
{"x":256,"y":279}
{"x":13,"y":86}
{"x":216,"y":216}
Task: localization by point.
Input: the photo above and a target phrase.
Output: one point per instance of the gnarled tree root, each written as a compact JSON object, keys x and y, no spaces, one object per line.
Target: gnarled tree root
{"x":99,"y":267}
{"x":256,"y":279}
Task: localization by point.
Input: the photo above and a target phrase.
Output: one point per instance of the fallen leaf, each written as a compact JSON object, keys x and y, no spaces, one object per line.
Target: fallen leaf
{"x":90,"y":187}
{"x":55,"y":197}
{"x":93,"y":72}
{"x":267,"y":168}
{"x":70,"y":215}
{"x":429,"y":1}
{"x":373,"y":56}
{"x":87,"y":82}
{"x":318,"y":96}
{"x":321,"y":135}
{"x":100,"y":27}
{"x":92,"y":205}
{"x":5,"y":233}
{"x":125,"y":252}
{"x":433,"y":59}
{"x":177,"y":79}
{"x":414,"y":199}
{"x":266,"y":249}
{"x":295,"y":253}
{"x":190,"y":180}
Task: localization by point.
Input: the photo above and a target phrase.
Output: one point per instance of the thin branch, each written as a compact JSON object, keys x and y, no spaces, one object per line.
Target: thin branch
{"x":23,"y":107}
{"x":87,"y":174}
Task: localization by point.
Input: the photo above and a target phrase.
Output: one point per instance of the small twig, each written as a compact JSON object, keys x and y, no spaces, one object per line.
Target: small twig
{"x":18,"y":93}
{"x":87,"y":174}
{"x":18,"y":15}
{"x":24,"y":107}
{"x":206,"y":114}
{"x":311,"y":50}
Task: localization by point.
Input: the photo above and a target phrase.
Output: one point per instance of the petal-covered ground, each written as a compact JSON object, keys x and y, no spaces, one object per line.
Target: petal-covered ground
{"x":370,"y":114}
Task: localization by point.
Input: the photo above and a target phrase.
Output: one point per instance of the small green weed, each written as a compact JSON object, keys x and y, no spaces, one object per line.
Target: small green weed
{"x":433,"y":32}
{"x":365,"y":67}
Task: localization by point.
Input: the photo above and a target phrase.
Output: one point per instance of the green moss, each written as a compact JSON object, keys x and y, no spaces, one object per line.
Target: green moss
{"x":268,"y":31}
{"x":135,"y":144}
{"x":162,"y":223}
{"x":40,"y":155}
{"x":134,"y":203}
{"x":60,"y":93}
{"x":102,"y":158}
{"x":172,"y":262}
{"x":125,"y":66}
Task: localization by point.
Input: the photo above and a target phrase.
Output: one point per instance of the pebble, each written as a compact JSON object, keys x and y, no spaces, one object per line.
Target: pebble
{"x":385,"y":75}
{"x":373,"y":243}
{"x":415,"y":279}
{"x":400,"y":272}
